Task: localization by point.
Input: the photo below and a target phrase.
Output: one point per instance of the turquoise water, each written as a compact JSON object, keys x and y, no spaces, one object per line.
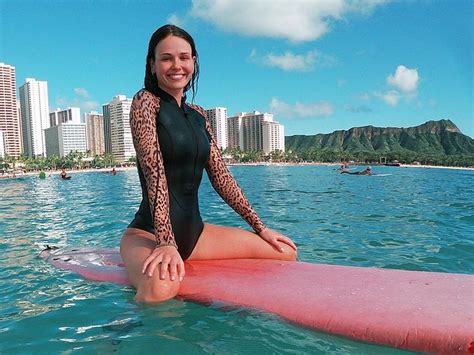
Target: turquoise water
{"x":414,"y":219}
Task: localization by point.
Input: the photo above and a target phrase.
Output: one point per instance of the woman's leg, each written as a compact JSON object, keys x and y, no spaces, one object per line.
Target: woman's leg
{"x":135,"y":247}
{"x":218,"y":242}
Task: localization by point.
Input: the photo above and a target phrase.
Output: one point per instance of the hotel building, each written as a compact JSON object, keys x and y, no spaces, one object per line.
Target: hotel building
{"x":95,"y":133}
{"x":66,"y":134}
{"x":117,"y":133}
{"x":255,"y":131}
{"x":9,"y":119}
{"x":70,"y":115}
{"x":218,"y":119}
{"x":34,"y":116}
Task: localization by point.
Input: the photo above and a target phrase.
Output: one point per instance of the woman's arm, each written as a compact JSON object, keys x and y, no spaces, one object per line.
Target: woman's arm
{"x":225,"y":184}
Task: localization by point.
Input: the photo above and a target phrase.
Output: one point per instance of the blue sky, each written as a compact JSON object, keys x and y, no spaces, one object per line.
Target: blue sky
{"x":318,"y":66}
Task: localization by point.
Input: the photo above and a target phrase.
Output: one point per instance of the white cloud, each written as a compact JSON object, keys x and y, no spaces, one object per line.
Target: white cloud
{"x":175,"y":20}
{"x":283,"y":109}
{"x":81,"y":99}
{"x":81,"y":92}
{"x":290,"y":61}
{"x":295,"y":20}
{"x":405,"y":85}
{"x":293,"y":62}
{"x":404,"y":79}
{"x":391,"y":97}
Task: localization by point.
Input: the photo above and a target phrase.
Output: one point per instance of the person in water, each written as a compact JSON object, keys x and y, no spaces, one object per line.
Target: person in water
{"x":367,"y":171}
{"x":64,"y":175}
{"x":113,"y":172}
{"x":174,"y":144}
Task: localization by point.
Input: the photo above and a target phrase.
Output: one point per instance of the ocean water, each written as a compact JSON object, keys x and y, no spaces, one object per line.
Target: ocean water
{"x":413,"y":219}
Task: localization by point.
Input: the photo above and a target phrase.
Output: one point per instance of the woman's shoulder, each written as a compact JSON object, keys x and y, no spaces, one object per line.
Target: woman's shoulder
{"x":145,"y":95}
{"x":198,"y":109}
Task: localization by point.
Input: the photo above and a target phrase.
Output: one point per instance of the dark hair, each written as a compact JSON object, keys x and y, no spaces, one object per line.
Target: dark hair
{"x":151,"y":82}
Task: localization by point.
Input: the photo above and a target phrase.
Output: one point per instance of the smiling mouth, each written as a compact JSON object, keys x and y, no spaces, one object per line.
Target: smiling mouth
{"x":176,"y":76}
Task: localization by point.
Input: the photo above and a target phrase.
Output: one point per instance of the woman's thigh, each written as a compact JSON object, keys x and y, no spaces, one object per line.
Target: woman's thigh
{"x":219,"y":242}
{"x":135,"y":247}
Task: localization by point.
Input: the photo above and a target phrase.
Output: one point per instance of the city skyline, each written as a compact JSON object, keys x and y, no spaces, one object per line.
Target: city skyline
{"x":383,"y":63}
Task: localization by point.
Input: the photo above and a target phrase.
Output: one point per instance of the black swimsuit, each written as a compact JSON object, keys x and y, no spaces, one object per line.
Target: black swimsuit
{"x":185,"y":147}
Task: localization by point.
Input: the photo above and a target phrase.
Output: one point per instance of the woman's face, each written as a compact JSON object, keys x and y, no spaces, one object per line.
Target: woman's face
{"x":173,"y":65}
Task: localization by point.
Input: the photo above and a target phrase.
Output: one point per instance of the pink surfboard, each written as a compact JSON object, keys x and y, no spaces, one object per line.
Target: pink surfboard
{"x":420,"y":311}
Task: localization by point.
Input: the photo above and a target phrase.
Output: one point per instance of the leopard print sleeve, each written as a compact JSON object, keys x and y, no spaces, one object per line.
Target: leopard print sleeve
{"x":143,"y":116}
{"x":225,"y":184}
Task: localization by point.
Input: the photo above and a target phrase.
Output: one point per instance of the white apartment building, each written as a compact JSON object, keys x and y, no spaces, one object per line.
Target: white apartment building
{"x":9,"y":119}
{"x":255,"y":131}
{"x":118,"y":136}
{"x":273,"y":137}
{"x":95,"y":133}
{"x":34,"y":116}
{"x":69,"y":115}
{"x":218,"y":119}
{"x":65,"y":138}
{"x":66,"y":133}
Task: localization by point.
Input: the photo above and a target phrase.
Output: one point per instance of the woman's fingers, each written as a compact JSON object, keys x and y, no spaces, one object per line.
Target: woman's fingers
{"x":173,"y":270}
{"x":164,"y":266}
{"x":150,"y":264}
{"x":165,"y":260}
{"x":181,"y":270}
{"x":289,"y":242}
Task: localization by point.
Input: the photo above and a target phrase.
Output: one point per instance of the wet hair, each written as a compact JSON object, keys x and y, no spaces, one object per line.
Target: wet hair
{"x":151,"y":82}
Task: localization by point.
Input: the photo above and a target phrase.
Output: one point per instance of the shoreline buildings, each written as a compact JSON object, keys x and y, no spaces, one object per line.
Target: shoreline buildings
{"x":27,"y":127}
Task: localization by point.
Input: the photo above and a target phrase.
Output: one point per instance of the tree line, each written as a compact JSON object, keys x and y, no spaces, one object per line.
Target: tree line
{"x":80,"y":160}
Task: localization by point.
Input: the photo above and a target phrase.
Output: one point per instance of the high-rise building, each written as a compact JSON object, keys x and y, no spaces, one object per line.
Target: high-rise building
{"x":233,"y":131}
{"x":118,"y":136}
{"x":255,"y":131}
{"x":66,"y":134}
{"x":34,"y":116}
{"x":69,"y":115}
{"x":107,"y":133}
{"x":65,"y":138}
{"x":273,"y":136}
{"x":95,"y":133}
{"x":20,"y":134}
{"x":9,"y":122}
{"x":218,"y":119}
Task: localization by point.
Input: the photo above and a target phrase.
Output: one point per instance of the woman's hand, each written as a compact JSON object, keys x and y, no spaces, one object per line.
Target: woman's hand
{"x":164,"y":258}
{"x":272,"y":237}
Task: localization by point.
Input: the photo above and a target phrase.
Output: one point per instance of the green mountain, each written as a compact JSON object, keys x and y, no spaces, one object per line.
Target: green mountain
{"x":431,"y":138}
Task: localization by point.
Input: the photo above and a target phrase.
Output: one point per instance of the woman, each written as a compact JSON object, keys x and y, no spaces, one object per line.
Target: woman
{"x":174,"y":144}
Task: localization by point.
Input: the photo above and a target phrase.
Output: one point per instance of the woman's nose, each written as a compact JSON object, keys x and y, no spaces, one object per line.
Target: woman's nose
{"x":176,"y":63}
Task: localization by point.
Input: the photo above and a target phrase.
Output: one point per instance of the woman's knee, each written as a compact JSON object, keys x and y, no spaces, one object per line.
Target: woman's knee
{"x":156,"y":290}
{"x":288,"y":253}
